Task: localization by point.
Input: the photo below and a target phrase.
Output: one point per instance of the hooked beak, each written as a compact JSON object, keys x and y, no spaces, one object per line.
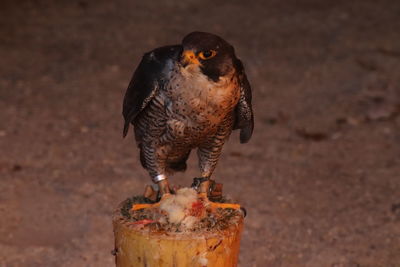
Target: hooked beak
{"x":189,"y":57}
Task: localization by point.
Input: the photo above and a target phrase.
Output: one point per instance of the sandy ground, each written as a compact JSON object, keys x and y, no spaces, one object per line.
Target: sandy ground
{"x":320,"y":179}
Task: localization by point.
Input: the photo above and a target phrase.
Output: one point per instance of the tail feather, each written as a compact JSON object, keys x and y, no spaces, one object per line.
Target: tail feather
{"x":126,"y":129}
{"x":178,"y":165}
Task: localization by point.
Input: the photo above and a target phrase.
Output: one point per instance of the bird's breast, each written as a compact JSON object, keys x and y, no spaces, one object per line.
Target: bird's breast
{"x":199,"y":101}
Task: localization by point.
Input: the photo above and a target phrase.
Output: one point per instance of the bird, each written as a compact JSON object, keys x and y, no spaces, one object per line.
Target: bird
{"x":184,"y":97}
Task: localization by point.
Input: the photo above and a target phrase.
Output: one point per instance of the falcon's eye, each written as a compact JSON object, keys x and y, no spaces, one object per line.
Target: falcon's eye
{"x":207,"y":54}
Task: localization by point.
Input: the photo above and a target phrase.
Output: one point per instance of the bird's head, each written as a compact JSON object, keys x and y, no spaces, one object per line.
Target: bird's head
{"x":212,"y":54}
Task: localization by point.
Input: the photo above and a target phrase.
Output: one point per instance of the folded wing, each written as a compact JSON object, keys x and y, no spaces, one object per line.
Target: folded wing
{"x":147,"y":80}
{"x":244,"y":118}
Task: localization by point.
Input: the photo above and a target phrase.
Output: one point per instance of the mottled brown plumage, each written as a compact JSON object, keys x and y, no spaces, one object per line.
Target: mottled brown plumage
{"x":184,"y":97}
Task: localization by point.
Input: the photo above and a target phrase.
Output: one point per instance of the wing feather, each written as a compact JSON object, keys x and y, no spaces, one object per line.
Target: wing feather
{"x":244,"y":117}
{"x":147,"y":79}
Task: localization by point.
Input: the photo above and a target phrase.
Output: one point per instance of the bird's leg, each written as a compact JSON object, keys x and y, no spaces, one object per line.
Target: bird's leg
{"x":208,"y":154}
{"x":155,"y":162}
{"x":203,"y":192}
{"x":164,"y":192}
{"x":202,"y":185}
{"x":163,"y":186}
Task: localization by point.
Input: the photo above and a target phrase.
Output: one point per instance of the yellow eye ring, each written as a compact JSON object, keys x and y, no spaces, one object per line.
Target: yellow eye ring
{"x":207,"y":54}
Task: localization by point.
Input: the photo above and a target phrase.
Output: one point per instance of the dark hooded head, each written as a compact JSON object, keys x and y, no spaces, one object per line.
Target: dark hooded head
{"x":213,"y":54}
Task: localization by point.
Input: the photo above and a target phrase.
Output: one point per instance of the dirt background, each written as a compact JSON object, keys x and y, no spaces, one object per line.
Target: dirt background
{"x":320,"y":178}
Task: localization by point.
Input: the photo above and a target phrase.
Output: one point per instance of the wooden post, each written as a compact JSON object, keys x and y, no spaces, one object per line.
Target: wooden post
{"x":140,"y":246}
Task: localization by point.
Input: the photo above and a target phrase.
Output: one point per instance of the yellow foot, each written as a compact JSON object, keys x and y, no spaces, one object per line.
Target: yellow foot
{"x":149,"y":206}
{"x":213,"y":206}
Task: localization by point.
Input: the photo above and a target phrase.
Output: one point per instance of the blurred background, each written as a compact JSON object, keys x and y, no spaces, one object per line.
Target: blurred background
{"x":320,"y":178}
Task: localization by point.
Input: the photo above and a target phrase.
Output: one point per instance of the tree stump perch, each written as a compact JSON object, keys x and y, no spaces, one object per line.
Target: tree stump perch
{"x":144,"y":243}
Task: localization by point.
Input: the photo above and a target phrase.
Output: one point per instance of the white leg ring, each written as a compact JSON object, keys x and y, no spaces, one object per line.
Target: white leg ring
{"x":159,"y":178}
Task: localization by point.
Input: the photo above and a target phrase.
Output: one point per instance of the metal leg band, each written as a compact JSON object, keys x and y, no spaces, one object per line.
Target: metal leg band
{"x":159,"y":178}
{"x":197,"y":181}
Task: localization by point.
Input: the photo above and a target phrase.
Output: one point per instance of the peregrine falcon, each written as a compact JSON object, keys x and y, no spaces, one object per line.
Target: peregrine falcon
{"x":183,"y":97}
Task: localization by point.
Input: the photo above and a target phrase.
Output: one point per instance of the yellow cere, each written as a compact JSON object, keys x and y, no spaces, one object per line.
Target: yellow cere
{"x":190,"y":57}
